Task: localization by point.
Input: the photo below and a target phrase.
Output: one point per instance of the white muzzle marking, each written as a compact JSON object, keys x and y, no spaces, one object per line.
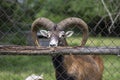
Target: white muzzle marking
{"x":53,"y":42}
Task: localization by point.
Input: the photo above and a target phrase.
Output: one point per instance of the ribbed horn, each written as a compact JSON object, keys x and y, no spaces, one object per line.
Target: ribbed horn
{"x":75,"y":21}
{"x":40,"y":22}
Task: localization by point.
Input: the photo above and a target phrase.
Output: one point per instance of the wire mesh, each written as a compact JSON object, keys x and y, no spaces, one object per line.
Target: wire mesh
{"x":16,"y":17}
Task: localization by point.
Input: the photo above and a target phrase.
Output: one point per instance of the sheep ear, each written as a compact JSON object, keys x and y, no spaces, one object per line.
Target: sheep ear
{"x":44,"y":33}
{"x":69,"y":33}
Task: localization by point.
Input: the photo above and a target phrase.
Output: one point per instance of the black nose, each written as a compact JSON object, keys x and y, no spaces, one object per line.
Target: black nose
{"x":52,"y":45}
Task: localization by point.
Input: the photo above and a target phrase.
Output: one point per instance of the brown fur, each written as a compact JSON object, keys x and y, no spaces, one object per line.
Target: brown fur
{"x":77,"y":67}
{"x":84,"y":67}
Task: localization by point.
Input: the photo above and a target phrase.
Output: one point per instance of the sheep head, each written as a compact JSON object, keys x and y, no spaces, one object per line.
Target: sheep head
{"x":56,"y":31}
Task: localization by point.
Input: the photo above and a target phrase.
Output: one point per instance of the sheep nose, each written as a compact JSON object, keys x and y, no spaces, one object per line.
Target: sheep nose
{"x":52,"y":45}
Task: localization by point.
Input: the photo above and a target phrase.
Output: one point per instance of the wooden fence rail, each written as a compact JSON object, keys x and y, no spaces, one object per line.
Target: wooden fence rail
{"x":34,"y":50}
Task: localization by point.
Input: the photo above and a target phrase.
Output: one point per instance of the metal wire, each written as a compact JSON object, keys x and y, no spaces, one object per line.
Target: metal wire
{"x":16,"y":17}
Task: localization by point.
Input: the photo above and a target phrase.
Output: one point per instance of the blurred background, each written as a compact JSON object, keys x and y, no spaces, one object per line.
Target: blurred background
{"x":16,"y":17}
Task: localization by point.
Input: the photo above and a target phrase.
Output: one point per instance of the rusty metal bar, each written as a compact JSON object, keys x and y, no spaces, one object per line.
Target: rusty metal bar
{"x":34,"y":50}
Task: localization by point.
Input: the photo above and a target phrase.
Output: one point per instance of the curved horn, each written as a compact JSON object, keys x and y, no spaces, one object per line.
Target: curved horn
{"x":40,"y":22}
{"x":75,"y":21}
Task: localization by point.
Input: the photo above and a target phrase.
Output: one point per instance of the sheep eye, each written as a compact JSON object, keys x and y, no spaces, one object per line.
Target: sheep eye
{"x":62,"y":34}
{"x":49,"y":34}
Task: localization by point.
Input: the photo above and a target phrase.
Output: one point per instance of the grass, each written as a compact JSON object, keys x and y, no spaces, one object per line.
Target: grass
{"x":112,"y":68}
{"x":19,"y":67}
{"x":95,"y":41}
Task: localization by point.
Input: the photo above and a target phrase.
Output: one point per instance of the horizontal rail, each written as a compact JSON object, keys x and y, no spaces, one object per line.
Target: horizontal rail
{"x":34,"y":50}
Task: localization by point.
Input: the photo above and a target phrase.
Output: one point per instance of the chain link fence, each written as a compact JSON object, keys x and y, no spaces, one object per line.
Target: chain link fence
{"x":16,"y":17}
